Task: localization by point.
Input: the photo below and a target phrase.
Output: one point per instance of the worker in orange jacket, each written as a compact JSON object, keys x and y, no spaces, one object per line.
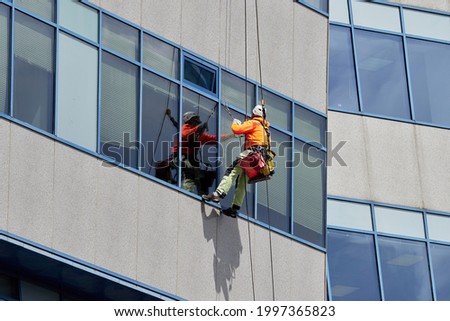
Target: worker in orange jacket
{"x":255,"y":139}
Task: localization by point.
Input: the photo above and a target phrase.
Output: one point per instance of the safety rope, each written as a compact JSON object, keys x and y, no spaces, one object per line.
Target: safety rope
{"x":267,"y":183}
{"x":246,"y":194}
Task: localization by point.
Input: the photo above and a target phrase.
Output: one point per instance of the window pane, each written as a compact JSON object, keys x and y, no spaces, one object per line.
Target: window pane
{"x":202,"y":179}
{"x":440,"y":254}
{"x":381,"y":66}
{"x":352,"y":267}
{"x":34,"y":72}
{"x":5,"y":31}
{"x":342,"y":80}
{"x":429,"y":71}
{"x":309,"y":193}
{"x":278,"y":110}
{"x":339,"y":11}
{"x":404,"y":266}
{"x":77,"y":96}
{"x":43,"y":8}
{"x":79,"y":18}
{"x":161,"y":56}
{"x":120,"y":37}
{"x":376,"y":15}
{"x":231,"y":148}
{"x":158,"y":130}
{"x":427,"y":24}
{"x":274,"y":197}
{"x":349,"y":214}
{"x":389,"y":220}
{"x":309,"y":125}
{"x":439,"y":227}
{"x":199,"y":75}
{"x":234,"y":92}
{"x":8,"y":287}
{"x":119,"y":110}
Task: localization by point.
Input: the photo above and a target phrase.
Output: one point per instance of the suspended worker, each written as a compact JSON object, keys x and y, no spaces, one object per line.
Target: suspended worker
{"x":256,"y":139}
{"x":195,"y":179}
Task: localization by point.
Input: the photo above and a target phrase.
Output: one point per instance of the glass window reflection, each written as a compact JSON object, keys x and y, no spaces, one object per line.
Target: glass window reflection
{"x":397,"y":221}
{"x":404,"y":266}
{"x":349,"y":214}
{"x":34,"y":71}
{"x":119,"y":110}
{"x":310,"y":126}
{"x":439,"y":227}
{"x":160,"y":104}
{"x":120,"y":37}
{"x":274,"y":198}
{"x":339,"y":11}
{"x":352,"y":266}
{"x":279,"y":110}
{"x":234,"y":92}
{"x":161,"y":56}
{"x":309,"y":191}
{"x":427,"y":24}
{"x":80,"y":18}
{"x":43,"y":8}
{"x":342,"y":80}
{"x":199,"y":75}
{"x":440,"y":255}
{"x":376,"y":16}
{"x":381,"y":66}
{"x":429,"y":71}
{"x":5,"y":32}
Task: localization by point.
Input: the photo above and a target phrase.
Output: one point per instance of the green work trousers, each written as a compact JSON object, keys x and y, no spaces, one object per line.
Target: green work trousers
{"x":233,"y":172}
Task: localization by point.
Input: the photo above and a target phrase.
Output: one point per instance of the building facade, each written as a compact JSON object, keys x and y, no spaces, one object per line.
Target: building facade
{"x":92,"y":99}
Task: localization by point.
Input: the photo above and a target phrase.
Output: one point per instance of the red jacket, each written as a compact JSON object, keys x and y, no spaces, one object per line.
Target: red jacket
{"x":191,"y":140}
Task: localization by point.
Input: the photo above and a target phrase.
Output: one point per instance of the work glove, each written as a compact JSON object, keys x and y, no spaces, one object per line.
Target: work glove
{"x":168,"y":112}
{"x":237,"y":121}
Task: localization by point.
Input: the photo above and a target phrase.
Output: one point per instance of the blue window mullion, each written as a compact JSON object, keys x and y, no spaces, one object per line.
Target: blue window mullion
{"x":99,"y":84}
{"x":56,"y":75}
{"x":180,"y":119}
{"x":140,"y":145}
{"x":377,"y":251}
{"x":11,"y":60}
{"x":408,"y":77}
{"x":430,"y":259}
{"x":292,"y":190}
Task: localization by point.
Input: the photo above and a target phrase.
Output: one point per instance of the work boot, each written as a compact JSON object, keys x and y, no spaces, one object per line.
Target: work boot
{"x":232,"y":211}
{"x":212,"y":197}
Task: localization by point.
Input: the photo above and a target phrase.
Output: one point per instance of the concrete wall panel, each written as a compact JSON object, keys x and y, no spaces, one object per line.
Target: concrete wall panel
{"x":310,"y":58}
{"x":349,"y":179}
{"x":116,"y":220}
{"x":163,"y":18}
{"x":433,"y":146}
{"x":75,"y":202}
{"x":157,"y":236}
{"x":200,"y":25}
{"x":31,"y":190}
{"x":197,"y":241}
{"x":4,"y":172}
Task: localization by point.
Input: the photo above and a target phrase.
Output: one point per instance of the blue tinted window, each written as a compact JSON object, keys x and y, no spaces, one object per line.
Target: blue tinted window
{"x":353,"y":271}
{"x":43,"y":8}
{"x":309,"y":125}
{"x":342,"y":81}
{"x":381,"y":67}
{"x":34,"y":72}
{"x":430,"y":69}
{"x":274,"y":204}
{"x":404,"y":266}
{"x":279,"y":110}
{"x":440,"y":255}
{"x":309,"y":193}
{"x":120,"y":37}
{"x":158,"y":96}
{"x":319,"y":4}
{"x":119,"y":110}
{"x":200,"y":75}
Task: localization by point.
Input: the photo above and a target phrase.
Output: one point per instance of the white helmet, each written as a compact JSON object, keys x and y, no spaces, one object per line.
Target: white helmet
{"x":259,"y":111}
{"x":188,"y":116}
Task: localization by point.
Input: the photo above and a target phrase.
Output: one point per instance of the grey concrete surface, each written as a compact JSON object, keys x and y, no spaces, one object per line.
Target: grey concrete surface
{"x":4,"y":172}
{"x":441,"y":5}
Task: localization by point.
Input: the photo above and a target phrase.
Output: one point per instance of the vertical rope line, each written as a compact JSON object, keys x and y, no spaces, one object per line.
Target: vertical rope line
{"x":246,"y":194}
{"x":267,"y":183}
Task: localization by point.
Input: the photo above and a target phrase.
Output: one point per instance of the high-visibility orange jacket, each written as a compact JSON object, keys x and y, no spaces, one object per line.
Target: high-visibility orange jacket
{"x":255,"y":134}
